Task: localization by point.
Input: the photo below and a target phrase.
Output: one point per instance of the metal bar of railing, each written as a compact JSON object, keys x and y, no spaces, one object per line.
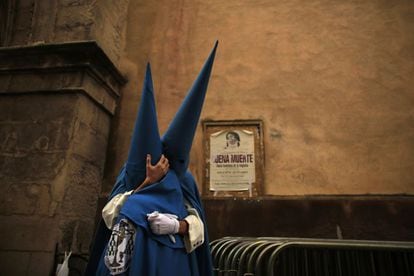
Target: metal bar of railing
{"x":247,"y":253}
{"x":230,"y":265}
{"x":213,"y":243}
{"x":216,"y":250}
{"x":214,"y":247}
{"x":256,"y":268}
{"x":218,"y":255}
{"x":248,"y":257}
{"x":224,"y":254}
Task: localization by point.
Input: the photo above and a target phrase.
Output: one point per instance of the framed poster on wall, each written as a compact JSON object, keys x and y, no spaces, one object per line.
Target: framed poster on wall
{"x":233,"y":158}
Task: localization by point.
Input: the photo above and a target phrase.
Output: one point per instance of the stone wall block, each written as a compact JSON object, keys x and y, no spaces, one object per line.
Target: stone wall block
{"x":14,"y":262}
{"x":74,"y":23}
{"x":18,"y":263}
{"x":71,"y":79}
{"x":82,"y":189}
{"x":71,"y":34}
{"x":88,"y":143}
{"x":31,"y":136}
{"x":24,"y":4}
{"x":20,"y":200}
{"x":42,"y":108}
{"x":28,"y":233}
{"x":43,"y":199}
{"x":20,"y":37}
{"x":25,"y":199}
{"x":34,"y":166}
{"x":30,"y":82}
{"x":19,"y":139}
{"x":44,"y":19}
{"x":41,"y":263}
{"x":44,"y":81}
{"x":57,"y":189}
{"x":92,"y":116}
{"x":8,"y":138}
{"x":95,"y":90}
{"x":76,"y":235}
{"x":109,"y":26}
{"x":74,"y":16}
{"x":22,"y":22}
{"x":5,"y":82}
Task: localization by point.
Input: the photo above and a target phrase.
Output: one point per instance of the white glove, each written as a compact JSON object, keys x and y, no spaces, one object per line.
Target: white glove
{"x":163,"y":223}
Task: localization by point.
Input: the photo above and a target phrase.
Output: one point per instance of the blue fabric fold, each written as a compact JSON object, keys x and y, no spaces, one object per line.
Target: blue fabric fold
{"x":155,"y":254}
{"x":165,"y":197}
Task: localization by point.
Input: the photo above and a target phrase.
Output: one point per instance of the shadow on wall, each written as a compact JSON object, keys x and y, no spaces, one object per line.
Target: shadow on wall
{"x":354,"y":217}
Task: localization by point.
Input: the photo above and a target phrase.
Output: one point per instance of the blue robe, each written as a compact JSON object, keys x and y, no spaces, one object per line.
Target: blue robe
{"x":157,"y":254}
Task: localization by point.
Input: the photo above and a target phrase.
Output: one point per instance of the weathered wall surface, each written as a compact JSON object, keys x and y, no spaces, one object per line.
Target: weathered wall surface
{"x":56,"y":105}
{"x":50,"y":178}
{"x":33,"y":154}
{"x":58,"y":92}
{"x":331,"y":80}
{"x":40,"y":21}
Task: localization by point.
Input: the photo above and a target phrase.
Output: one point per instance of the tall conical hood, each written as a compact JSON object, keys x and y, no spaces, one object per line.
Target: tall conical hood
{"x":145,"y":138}
{"x":178,"y":139}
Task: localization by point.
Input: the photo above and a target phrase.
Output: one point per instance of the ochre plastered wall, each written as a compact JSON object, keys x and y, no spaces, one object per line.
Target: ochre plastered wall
{"x":331,"y":80}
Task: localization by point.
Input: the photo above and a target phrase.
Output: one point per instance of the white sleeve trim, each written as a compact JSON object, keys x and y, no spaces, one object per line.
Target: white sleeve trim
{"x":111,"y":210}
{"x":195,"y":236}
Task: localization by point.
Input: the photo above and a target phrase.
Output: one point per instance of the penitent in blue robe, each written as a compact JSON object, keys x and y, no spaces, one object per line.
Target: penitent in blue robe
{"x":157,"y":254}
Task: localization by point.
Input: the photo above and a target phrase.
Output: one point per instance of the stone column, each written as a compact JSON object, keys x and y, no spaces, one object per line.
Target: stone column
{"x":56,"y":103}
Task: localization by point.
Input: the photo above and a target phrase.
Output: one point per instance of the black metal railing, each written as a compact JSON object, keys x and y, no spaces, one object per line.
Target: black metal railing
{"x":311,"y":257}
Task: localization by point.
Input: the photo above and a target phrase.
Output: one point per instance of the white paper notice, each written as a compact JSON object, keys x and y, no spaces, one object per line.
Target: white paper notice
{"x":232,"y":166}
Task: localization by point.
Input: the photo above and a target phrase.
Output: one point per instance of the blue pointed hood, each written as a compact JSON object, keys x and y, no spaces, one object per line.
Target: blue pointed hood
{"x":145,"y":138}
{"x":179,"y":136}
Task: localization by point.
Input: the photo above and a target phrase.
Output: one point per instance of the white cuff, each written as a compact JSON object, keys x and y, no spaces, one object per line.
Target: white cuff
{"x":195,"y":236}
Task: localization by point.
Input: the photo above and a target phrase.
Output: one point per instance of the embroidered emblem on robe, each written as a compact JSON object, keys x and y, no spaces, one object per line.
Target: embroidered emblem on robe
{"x":120,"y":247}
